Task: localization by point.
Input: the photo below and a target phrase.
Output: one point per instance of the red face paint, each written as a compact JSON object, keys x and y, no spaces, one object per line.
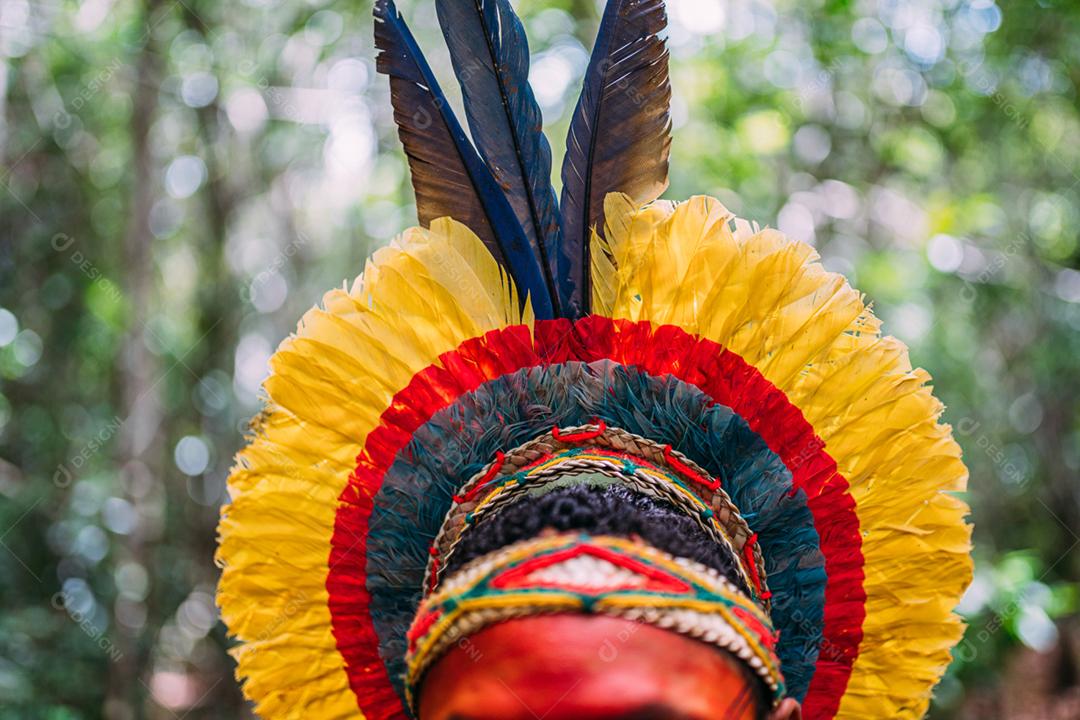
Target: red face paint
{"x":585,"y":667}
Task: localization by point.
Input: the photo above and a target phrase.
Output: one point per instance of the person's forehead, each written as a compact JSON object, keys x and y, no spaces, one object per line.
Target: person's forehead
{"x":650,"y":712}
{"x":576,"y":667}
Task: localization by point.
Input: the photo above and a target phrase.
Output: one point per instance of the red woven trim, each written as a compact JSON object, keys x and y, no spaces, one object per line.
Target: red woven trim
{"x":421,"y":626}
{"x":579,"y":437}
{"x":767,"y":637}
{"x":664,"y":350}
{"x":496,"y":466}
{"x":751,"y":564}
{"x":684,"y":469}
{"x":659,"y":580}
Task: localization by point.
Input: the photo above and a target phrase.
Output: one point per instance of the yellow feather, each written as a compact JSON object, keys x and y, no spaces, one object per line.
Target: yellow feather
{"x":422,"y":296}
{"x":753,"y":291}
{"x":768,"y":299}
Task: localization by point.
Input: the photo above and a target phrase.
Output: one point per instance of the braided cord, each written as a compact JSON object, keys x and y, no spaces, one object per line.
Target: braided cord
{"x":639,"y":463}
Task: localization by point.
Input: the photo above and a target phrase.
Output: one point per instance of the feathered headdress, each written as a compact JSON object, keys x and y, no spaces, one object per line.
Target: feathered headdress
{"x":670,"y":347}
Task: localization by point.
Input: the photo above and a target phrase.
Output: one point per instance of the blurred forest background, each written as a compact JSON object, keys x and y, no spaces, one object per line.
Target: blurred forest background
{"x":181,"y":179}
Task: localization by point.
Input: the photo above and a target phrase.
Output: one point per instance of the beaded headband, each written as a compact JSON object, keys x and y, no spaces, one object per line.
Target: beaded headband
{"x":575,"y":573}
{"x":580,"y":454}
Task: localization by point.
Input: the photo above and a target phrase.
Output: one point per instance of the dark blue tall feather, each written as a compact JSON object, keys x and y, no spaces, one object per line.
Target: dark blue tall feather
{"x":620,"y":133}
{"x":448,"y":176}
{"x":490,"y":55}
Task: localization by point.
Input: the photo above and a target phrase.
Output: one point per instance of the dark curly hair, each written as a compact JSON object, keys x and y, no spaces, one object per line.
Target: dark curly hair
{"x":608,"y":510}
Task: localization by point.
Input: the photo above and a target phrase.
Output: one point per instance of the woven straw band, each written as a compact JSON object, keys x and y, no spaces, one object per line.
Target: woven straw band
{"x":572,"y":455}
{"x":575,"y":573}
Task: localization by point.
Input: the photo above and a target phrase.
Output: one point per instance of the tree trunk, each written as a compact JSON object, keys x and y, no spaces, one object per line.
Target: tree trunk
{"x":139,"y":454}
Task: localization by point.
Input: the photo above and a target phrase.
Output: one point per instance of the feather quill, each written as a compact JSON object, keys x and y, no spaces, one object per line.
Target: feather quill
{"x":620,"y":133}
{"x":448,"y":175}
{"x":490,"y":55}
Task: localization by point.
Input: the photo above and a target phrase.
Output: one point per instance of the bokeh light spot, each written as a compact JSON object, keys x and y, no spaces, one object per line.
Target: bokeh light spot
{"x":184,"y":176}
{"x":192,"y":456}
